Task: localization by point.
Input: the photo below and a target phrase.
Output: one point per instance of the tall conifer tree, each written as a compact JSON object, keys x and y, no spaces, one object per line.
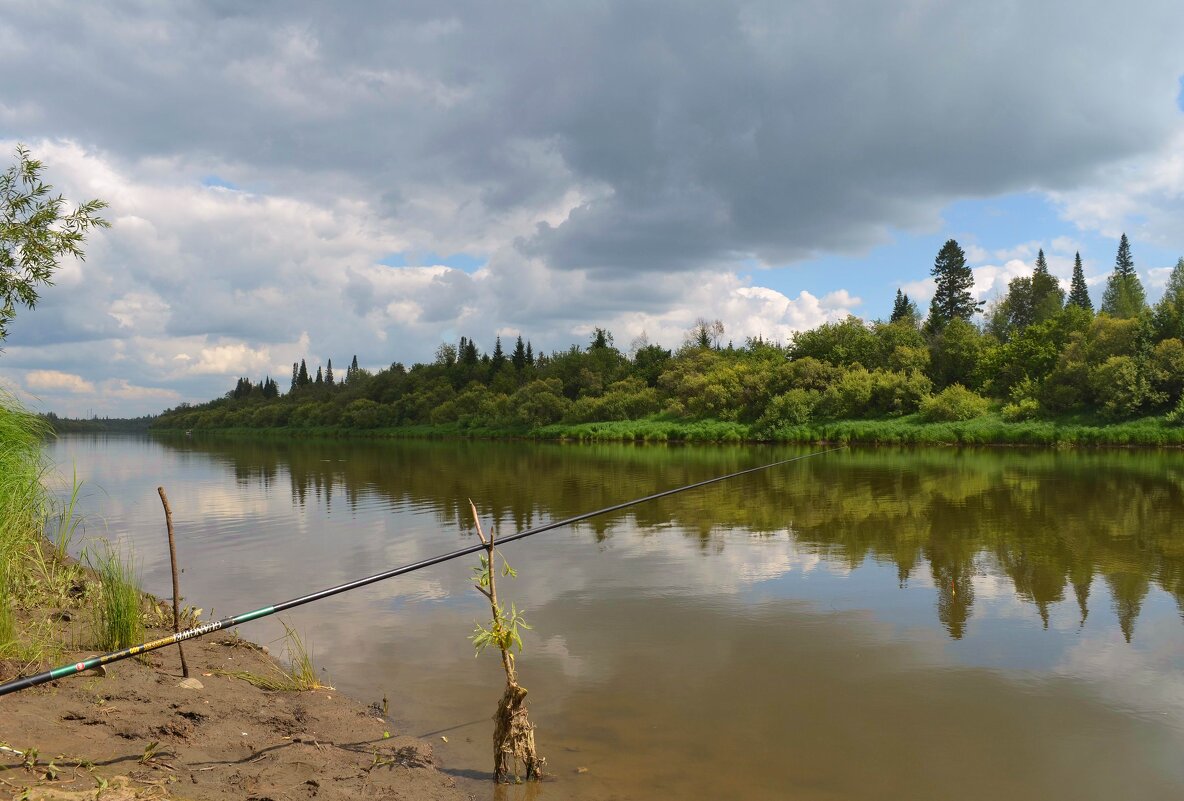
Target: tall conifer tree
{"x":302,"y":379}
{"x":329,"y":373}
{"x":1124,"y":296}
{"x":904,"y":310}
{"x":951,"y":298}
{"x":519,"y":357}
{"x":1078,"y":291}
{"x":1047,"y":296}
{"x":499,"y":357}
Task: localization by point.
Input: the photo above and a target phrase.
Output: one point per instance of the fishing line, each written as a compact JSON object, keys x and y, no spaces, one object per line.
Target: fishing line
{"x":217,"y":625}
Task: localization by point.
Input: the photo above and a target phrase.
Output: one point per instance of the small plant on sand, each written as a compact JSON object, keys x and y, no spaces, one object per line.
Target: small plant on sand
{"x":513,"y":735}
{"x":118,"y":620}
{"x":299,"y":675}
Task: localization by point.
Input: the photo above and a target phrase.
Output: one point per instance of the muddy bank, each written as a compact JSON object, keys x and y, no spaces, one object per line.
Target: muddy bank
{"x":136,"y":733}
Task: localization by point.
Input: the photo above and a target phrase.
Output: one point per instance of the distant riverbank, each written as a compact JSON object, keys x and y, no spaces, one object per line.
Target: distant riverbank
{"x":990,"y":429}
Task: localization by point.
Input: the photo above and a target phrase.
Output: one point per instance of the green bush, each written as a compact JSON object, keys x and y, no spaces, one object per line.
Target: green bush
{"x":953,"y":403}
{"x":1167,"y":369}
{"x":364,"y":413}
{"x":539,"y":403}
{"x":630,"y":399}
{"x":793,"y":408}
{"x":1022,"y":409}
{"x":1119,"y":386}
{"x":860,"y":393}
{"x":1176,"y":416}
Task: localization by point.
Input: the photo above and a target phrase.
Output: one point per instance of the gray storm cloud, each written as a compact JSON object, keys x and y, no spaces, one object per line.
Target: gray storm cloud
{"x":693,"y":132}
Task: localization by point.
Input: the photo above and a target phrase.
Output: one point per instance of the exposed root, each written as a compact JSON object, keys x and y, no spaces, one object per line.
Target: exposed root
{"x":513,"y":738}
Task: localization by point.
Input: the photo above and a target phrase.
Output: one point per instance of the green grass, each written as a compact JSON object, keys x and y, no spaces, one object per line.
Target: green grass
{"x":118,"y":618}
{"x":34,"y":572}
{"x":8,"y":641}
{"x":23,"y":499}
{"x":298,"y":675}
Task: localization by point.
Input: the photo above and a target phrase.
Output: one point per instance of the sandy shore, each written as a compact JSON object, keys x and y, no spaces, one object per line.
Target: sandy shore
{"x":135,"y":733}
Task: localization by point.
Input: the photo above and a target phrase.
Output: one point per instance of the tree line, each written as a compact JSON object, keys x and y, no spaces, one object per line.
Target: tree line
{"x":1037,"y":352}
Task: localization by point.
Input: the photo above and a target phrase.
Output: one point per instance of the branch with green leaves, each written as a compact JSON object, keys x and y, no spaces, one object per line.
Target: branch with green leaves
{"x":36,"y":231}
{"x":503,"y":631}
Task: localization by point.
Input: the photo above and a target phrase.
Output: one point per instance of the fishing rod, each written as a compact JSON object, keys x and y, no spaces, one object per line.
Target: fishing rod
{"x":200,"y":631}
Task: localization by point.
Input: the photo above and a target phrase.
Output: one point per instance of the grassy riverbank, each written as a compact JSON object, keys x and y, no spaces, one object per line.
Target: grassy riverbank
{"x":33,"y":572}
{"x":989,"y":429}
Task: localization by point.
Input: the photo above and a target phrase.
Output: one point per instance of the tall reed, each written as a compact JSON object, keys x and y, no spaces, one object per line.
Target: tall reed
{"x":22,"y":504}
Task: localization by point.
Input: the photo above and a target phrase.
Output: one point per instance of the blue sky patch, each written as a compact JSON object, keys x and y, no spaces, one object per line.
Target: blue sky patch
{"x":992,"y":229}
{"x":458,"y":261}
{"x":222,"y":183}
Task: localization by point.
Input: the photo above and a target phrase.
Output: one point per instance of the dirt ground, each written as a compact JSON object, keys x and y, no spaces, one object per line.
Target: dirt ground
{"x":136,"y":734}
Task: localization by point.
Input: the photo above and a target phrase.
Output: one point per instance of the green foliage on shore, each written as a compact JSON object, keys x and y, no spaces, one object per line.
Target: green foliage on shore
{"x":1038,"y":368}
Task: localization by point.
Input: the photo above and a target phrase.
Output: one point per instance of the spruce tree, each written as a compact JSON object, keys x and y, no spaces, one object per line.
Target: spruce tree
{"x":951,"y":298}
{"x":519,"y":357}
{"x":529,"y":354}
{"x":499,"y":357}
{"x":904,"y":310}
{"x":1124,"y":296}
{"x":329,"y":373}
{"x":295,"y":376}
{"x":1078,"y":291}
{"x":468,"y":353}
{"x":1169,"y":312}
{"x":1047,"y":296}
{"x":899,"y":307}
{"x":302,"y":379}
{"x":320,"y":378}
{"x":352,"y":373}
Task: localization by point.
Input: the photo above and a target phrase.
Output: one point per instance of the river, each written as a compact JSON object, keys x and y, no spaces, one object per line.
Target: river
{"x":868,"y":624}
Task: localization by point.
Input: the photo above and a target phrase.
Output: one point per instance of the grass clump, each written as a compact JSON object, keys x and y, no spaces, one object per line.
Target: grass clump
{"x":118,"y":616}
{"x":299,"y":674}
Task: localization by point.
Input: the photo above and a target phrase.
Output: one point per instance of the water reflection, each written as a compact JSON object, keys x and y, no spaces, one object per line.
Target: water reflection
{"x":869,"y":624}
{"x":1050,"y":522}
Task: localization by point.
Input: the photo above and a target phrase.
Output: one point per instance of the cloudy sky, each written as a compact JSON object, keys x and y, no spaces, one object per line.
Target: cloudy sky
{"x":309,"y":180}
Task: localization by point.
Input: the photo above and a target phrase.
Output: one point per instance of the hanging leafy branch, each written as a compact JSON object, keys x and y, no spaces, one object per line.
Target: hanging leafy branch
{"x":35,"y":233}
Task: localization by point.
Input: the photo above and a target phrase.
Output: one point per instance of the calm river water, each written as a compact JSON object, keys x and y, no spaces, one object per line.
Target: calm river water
{"x":870,"y":624}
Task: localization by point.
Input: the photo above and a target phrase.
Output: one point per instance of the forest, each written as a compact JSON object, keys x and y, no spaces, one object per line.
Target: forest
{"x":1038,"y":364}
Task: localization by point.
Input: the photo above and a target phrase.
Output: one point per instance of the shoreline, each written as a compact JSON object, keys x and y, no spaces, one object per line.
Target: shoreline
{"x":133,"y":730}
{"x":988,"y":431}
{"x":136,"y":729}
